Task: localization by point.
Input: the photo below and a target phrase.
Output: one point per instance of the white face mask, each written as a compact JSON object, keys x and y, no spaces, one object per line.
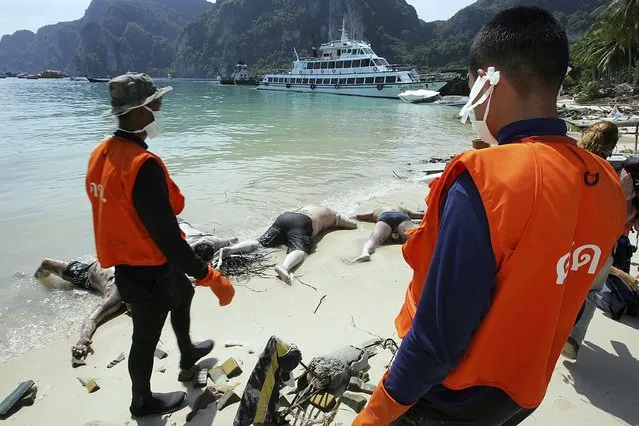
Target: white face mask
{"x":468,"y":111}
{"x":153,"y":129}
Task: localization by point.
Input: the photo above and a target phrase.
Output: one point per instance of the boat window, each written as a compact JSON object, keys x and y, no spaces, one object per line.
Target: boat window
{"x":376,"y":62}
{"x":350,"y":81}
{"x":348,"y":64}
{"x":270,"y":79}
{"x":360,"y":81}
{"x":324,"y":65}
{"x":365,"y":63}
{"x":331,"y":64}
{"x":339,"y":64}
{"x":339,"y":52}
{"x":305,"y":81}
{"x":342,"y":81}
{"x":311,"y":81}
{"x":356,"y":64}
{"x":327,"y":81}
{"x":307,"y":65}
{"x":316,"y":65}
{"x":297,"y":80}
{"x":391,"y":79}
{"x":333,"y":81}
{"x":369,"y":80}
{"x":384,"y":61}
{"x":379,"y":80}
{"x":348,"y":51}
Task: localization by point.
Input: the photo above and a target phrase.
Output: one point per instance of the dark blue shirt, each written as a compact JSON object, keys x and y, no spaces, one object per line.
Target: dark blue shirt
{"x":457,"y":296}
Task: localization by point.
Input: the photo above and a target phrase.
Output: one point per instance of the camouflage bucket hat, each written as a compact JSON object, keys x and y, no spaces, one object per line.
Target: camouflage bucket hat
{"x":130,"y":91}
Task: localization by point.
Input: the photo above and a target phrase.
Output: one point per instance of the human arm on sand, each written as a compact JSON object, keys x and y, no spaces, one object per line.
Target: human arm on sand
{"x":151,"y":201}
{"x":111,"y":304}
{"x":456,"y":297}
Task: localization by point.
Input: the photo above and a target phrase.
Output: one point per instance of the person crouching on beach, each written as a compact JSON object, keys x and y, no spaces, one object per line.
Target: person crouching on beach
{"x":135,"y":203}
{"x":511,"y":241}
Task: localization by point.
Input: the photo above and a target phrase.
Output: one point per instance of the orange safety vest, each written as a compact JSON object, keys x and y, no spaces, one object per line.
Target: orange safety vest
{"x":120,"y":236}
{"x":550,"y":233}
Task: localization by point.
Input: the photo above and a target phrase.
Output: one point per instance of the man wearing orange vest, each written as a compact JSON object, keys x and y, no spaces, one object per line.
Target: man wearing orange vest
{"x":135,"y":203}
{"x":512,"y":238}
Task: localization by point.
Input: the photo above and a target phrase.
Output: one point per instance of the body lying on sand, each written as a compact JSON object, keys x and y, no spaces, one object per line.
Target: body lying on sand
{"x":295,"y":229}
{"x":92,"y":277}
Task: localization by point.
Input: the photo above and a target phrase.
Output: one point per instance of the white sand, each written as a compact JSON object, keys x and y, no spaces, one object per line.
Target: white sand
{"x":600,"y":389}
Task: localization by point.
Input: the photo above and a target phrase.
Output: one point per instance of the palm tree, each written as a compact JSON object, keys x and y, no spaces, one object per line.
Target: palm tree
{"x":612,"y":40}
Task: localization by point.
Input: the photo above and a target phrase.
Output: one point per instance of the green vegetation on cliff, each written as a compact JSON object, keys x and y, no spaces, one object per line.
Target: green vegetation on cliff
{"x":195,"y":38}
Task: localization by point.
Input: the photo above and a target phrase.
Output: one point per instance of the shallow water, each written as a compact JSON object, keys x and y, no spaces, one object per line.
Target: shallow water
{"x":239,"y":155}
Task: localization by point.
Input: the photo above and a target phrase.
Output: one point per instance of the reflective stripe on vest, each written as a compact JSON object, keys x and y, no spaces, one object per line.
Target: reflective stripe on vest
{"x":120,"y":236}
{"x":551,"y":234}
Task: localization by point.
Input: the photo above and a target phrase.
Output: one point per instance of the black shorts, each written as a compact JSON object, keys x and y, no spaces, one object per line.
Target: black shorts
{"x":78,"y":274}
{"x":393,"y":219}
{"x":295,"y":230}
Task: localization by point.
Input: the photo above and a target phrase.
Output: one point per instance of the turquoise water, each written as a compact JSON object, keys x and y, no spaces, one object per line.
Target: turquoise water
{"x":239,"y":155}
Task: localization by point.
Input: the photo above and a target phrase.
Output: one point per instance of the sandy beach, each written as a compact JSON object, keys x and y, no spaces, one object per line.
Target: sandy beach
{"x":599,"y":389}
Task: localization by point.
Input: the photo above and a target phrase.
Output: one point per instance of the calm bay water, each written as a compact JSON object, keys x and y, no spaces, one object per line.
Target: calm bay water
{"x":239,"y":155}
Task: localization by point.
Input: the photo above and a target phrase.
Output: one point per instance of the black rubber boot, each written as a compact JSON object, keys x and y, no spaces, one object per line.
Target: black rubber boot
{"x":157,"y":404}
{"x":200,"y":350}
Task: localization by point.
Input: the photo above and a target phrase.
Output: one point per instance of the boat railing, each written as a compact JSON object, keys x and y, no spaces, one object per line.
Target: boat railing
{"x":399,"y":67}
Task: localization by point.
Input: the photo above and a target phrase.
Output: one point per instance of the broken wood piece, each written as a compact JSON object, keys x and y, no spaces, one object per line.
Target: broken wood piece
{"x":218,"y":376}
{"x":90,"y":384}
{"x":233,"y":344}
{"x":324,"y":401}
{"x":116,"y":361}
{"x":17,"y":394}
{"x":227,"y":399}
{"x":160,"y":354}
{"x":358,"y":385}
{"x":227,"y":388}
{"x":188,"y":374}
{"x":231,"y":368}
{"x":354,"y":401}
{"x":201,"y":378}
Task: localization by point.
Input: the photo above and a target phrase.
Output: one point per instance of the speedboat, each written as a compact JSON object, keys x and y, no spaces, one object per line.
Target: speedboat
{"x":420,"y":96}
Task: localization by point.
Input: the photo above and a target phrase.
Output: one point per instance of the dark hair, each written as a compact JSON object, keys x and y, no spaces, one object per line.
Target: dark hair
{"x":527,"y":45}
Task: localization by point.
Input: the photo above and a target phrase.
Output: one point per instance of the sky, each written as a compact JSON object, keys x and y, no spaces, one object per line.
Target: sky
{"x":33,"y":14}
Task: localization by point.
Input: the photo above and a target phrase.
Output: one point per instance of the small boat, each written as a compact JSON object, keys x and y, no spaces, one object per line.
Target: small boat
{"x":32,"y":77}
{"x":3,"y":76}
{"x":420,"y":96}
{"x":22,"y":75}
{"x":97,"y":80}
{"x":240,"y":77}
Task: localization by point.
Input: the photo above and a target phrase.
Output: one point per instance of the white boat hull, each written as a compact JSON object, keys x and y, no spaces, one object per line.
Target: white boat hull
{"x":390,"y":91}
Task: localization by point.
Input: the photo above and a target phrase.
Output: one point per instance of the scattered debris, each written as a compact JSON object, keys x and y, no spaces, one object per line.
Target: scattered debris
{"x":227,"y":399}
{"x":90,"y":384}
{"x":319,"y":304}
{"x":201,"y":378}
{"x":231,"y":368}
{"x":233,"y":344}
{"x":357,"y":385}
{"x":354,"y":401}
{"x":334,"y":370}
{"x":217,"y":375}
{"x":188,"y":374}
{"x":23,"y":394}
{"x":324,"y":401}
{"x":227,"y":388}
{"x":261,"y":398}
{"x":117,"y":360}
{"x":161,"y":370}
{"x":209,"y":395}
{"x":160,"y":354}
{"x":244,"y":266}
{"x":398,"y":176}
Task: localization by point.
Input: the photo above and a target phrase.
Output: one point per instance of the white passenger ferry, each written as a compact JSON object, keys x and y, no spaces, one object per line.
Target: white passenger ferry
{"x":347,"y":67}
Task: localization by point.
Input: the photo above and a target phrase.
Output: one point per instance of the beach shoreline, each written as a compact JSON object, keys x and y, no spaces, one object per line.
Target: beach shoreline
{"x":365,"y":295}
